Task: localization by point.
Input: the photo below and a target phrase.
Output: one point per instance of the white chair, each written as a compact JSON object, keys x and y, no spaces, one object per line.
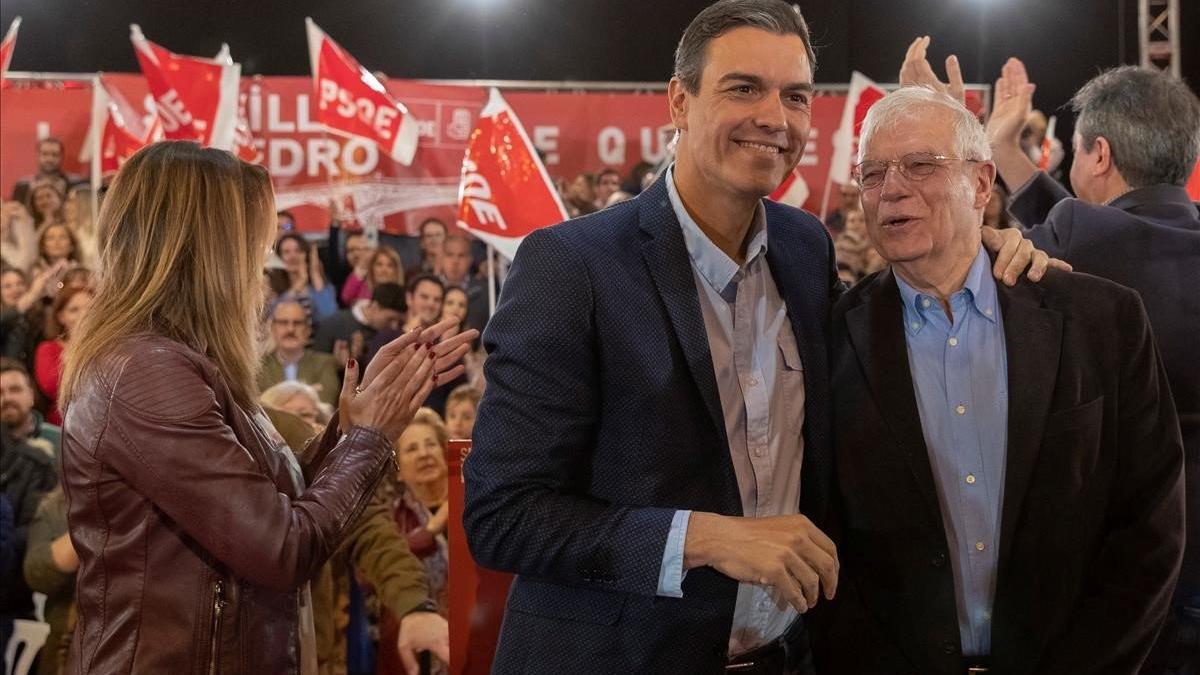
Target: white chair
{"x":30,"y":635}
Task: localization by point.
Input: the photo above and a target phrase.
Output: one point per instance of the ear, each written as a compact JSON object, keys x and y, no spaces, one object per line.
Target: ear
{"x":985,"y":177}
{"x":678,"y":98}
{"x":1102,"y":151}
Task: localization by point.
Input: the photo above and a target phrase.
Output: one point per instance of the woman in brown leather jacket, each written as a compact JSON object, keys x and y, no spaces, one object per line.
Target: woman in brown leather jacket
{"x":197,"y":530}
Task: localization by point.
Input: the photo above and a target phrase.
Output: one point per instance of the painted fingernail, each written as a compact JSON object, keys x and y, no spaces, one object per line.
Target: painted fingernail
{"x":433,"y":355}
{"x":428,"y":345}
{"x":352,"y":363}
{"x":435,"y":379}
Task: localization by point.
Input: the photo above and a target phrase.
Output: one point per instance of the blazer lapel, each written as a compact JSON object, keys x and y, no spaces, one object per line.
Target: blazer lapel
{"x":876,"y":330}
{"x":1033,"y":342}
{"x":667,"y":259}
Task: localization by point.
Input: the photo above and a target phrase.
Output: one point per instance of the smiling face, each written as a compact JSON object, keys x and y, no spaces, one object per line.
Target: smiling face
{"x":455,"y":304}
{"x":422,"y":457}
{"x":73,"y":311}
{"x":292,"y":255}
{"x":384,"y":269}
{"x":56,"y":243}
{"x":425,"y":302}
{"x":745,"y":128}
{"x":12,"y":287}
{"x":934,"y":221}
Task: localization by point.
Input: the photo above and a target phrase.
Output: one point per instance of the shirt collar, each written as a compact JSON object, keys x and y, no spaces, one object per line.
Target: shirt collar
{"x":717,"y":269}
{"x":979,"y":289}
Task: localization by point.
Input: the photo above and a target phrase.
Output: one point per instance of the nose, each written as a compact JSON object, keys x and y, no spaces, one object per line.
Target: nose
{"x":894,"y":185}
{"x":769,"y":114}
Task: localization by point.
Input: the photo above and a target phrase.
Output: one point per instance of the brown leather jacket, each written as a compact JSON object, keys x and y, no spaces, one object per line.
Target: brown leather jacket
{"x":195,"y":532}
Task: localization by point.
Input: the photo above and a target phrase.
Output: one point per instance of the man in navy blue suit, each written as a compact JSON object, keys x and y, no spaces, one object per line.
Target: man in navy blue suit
{"x":652,"y":452}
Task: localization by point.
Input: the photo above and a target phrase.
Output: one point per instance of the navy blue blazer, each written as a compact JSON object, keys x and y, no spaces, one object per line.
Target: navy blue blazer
{"x":601,"y":417}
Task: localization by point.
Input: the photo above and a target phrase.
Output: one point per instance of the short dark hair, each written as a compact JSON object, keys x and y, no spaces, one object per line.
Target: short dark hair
{"x":286,"y":214}
{"x":416,"y":280}
{"x":51,"y":139}
{"x":1150,"y":119}
{"x":390,"y":296}
{"x":606,"y":171}
{"x":10,"y":365}
{"x":421,"y":227}
{"x":774,"y":16}
{"x":304,"y":244}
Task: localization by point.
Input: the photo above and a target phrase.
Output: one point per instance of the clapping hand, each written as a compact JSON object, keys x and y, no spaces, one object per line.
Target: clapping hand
{"x":916,"y":71}
{"x":1012,"y":106}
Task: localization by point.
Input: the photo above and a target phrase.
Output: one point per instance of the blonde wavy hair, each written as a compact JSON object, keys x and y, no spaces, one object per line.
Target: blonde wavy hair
{"x":183,"y":236}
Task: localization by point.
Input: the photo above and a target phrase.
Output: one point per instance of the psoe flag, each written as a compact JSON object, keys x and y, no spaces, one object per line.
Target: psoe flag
{"x":196,"y":98}
{"x":353,"y":102}
{"x":505,"y":192}
{"x":862,"y":95}
{"x":8,"y":45}
{"x":122,"y":131}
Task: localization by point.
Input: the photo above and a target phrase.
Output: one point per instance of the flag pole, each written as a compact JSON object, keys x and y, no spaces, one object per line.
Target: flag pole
{"x":825,"y":196}
{"x":97,"y":141}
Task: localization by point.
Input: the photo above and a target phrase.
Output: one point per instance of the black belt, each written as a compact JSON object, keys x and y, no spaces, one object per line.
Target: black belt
{"x":785,"y":655}
{"x":976,"y":665}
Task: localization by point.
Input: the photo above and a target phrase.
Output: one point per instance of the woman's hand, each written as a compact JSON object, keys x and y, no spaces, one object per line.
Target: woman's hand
{"x":315,"y":274}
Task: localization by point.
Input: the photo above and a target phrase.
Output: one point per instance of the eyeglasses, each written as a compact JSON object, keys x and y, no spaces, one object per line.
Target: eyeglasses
{"x":915,"y":166}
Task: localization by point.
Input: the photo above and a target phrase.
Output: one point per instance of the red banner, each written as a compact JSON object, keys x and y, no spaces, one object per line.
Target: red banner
{"x":574,"y":132}
{"x":196,"y":98}
{"x":352,"y":102}
{"x":505,"y":193}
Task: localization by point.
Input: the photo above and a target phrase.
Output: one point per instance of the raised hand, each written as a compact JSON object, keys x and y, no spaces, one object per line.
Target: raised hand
{"x":916,"y":71}
{"x":1012,"y":105}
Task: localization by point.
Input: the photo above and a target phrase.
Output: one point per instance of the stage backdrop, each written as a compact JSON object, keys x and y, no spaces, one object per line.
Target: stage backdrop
{"x":575,"y":130}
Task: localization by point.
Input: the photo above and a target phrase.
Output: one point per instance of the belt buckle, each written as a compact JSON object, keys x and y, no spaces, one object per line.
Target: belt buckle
{"x":977,"y":670}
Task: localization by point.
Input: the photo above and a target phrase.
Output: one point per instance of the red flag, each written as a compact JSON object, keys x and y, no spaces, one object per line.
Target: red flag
{"x":196,"y":97}
{"x":504,"y":193}
{"x":352,"y":102}
{"x":8,"y":46}
{"x":122,"y":131}
{"x":862,"y":95}
{"x":1047,"y":144}
{"x":243,"y":138}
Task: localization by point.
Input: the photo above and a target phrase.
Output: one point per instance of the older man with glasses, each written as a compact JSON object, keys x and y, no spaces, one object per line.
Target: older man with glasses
{"x":1009,"y":483}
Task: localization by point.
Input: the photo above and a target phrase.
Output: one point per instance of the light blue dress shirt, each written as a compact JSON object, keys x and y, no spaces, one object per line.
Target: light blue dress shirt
{"x":960,"y":374}
{"x":760,"y":380}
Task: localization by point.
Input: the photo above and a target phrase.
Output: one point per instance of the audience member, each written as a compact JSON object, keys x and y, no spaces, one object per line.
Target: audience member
{"x":379,"y":266}
{"x":456,"y":273}
{"x":68,"y":308}
{"x":461,"y":405}
{"x":347,"y":332}
{"x":637,"y":175}
{"x":424,"y":298}
{"x":354,"y":270}
{"x":45,"y":204}
{"x":50,"y":566}
{"x":306,"y":281}
{"x":299,"y":399}
{"x":420,"y":507}
{"x":608,"y":182}
{"x":78,"y":216}
{"x":291,"y":360}
{"x":836,"y":222}
{"x":26,"y":474}
{"x":21,"y":319}
{"x":50,"y":156}
{"x":1033,"y":136}
{"x":18,"y":236}
{"x":433,"y":237}
{"x":580,"y":198}
{"x":21,"y":421}
{"x":345,"y":251}
{"x":285,"y":222}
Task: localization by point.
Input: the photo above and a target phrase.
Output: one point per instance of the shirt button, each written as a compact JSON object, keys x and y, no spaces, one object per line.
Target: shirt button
{"x":758,"y":452}
{"x":925,"y":302}
{"x":988,"y":311}
{"x":753,"y":382}
{"x":961,"y":409}
{"x":914,"y":325}
{"x":979,"y":546}
{"x":970,"y":479}
{"x":953,"y":342}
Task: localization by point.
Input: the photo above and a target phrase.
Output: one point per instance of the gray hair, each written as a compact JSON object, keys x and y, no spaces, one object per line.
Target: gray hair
{"x":970,"y":139}
{"x":1151,"y":121}
{"x":279,"y":394}
{"x":774,"y":16}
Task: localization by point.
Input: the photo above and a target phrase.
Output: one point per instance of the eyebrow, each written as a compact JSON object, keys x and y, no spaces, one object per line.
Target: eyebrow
{"x":756,"y":80}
